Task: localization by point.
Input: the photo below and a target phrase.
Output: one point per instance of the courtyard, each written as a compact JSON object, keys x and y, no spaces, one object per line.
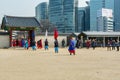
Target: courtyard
{"x":87,"y":64}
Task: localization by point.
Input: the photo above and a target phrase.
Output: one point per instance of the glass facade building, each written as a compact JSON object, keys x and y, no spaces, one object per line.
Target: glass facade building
{"x":42,"y":11}
{"x":105,"y":20}
{"x":117,"y":15}
{"x":97,"y":5}
{"x":87,"y":17}
{"x":62,"y":14}
{"x":81,"y":19}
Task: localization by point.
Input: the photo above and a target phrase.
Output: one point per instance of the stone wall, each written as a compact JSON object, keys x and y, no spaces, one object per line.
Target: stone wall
{"x":4,"y":41}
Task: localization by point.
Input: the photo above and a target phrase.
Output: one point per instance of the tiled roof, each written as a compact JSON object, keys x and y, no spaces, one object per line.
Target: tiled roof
{"x":102,"y":33}
{"x":13,"y":21}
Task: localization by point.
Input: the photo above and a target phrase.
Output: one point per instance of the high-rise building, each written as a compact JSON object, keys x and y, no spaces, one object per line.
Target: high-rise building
{"x":87,"y":17}
{"x":105,"y":20}
{"x":117,"y":15}
{"x":42,"y":11}
{"x":97,"y":5}
{"x":62,"y":14}
{"x":81,"y":19}
{"x":76,"y":15}
{"x":56,"y":13}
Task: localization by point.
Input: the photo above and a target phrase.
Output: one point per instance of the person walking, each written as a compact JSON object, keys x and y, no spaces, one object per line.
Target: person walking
{"x":109,"y":45}
{"x":26,"y":44}
{"x":39,"y":44}
{"x":56,"y":45}
{"x":93,"y":44}
{"x":17,"y":42}
{"x":20,"y":43}
{"x":78,"y":43}
{"x":23,"y":42}
{"x":14,"y":43}
{"x":46,"y":44}
{"x":113,"y":44}
{"x":71,"y":48}
{"x":117,"y":45}
{"x":63,"y":43}
{"x":33,"y":44}
{"x":88,"y":44}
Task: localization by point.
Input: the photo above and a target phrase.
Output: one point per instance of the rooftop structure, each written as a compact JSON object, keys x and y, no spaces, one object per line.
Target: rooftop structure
{"x":19,"y":23}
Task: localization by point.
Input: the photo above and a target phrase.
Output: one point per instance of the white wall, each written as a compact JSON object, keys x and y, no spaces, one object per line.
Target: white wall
{"x":4,"y":41}
{"x":51,"y":39}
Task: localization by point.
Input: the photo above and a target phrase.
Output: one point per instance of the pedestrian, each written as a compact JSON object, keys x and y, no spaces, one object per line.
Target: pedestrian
{"x":29,"y":42}
{"x":20,"y":43}
{"x":63,"y":43}
{"x":78,"y":43}
{"x":17,"y":42}
{"x":14,"y":43}
{"x":71,"y":48}
{"x":33,"y":44}
{"x":56,"y":45}
{"x":108,"y":45}
{"x":88,"y":44}
{"x":46,"y":44}
{"x":93,"y":44}
{"x":26,"y":44}
{"x":23,"y":42}
{"x":39,"y":44}
{"x":117,"y":45}
{"x":113,"y":44}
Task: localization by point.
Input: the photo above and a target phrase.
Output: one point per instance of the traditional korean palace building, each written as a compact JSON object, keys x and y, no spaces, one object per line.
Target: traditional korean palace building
{"x":20,"y":27}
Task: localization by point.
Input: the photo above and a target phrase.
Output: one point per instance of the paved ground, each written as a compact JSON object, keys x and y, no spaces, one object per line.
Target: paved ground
{"x":87,"y":64}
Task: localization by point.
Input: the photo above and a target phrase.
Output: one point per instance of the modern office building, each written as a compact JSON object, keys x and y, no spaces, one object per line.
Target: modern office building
{"x":117,"y":15}
{"x":76,"y":15}
{"x":97,"y":5}
{"x":105,"y":20}
{"x":87,"y":17}
{"x":62,"y":14}
{"x":56,"y":13}
{"x":42,"y":11}
{"x":81,"y":19}
{"x":70,"y":12}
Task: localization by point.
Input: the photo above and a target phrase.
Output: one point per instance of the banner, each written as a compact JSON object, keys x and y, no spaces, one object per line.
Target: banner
{"x":55,"y":34}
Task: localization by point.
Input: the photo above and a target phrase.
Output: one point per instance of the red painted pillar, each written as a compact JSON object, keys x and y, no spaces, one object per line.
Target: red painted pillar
{"x":29,"y":37}
{"x":10,"y":36}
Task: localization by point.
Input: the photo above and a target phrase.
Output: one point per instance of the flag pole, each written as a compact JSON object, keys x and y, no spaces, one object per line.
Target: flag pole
{"x":46,"y":34}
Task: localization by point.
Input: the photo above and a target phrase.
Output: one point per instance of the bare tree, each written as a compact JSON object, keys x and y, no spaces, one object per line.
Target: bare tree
{"x":46,"y":25}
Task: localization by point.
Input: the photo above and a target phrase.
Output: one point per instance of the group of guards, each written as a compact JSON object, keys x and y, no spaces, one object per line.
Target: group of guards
{"x":26,"y":43}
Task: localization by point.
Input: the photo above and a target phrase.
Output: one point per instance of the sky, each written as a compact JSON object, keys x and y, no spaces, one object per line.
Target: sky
{"x":22,"y":7}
